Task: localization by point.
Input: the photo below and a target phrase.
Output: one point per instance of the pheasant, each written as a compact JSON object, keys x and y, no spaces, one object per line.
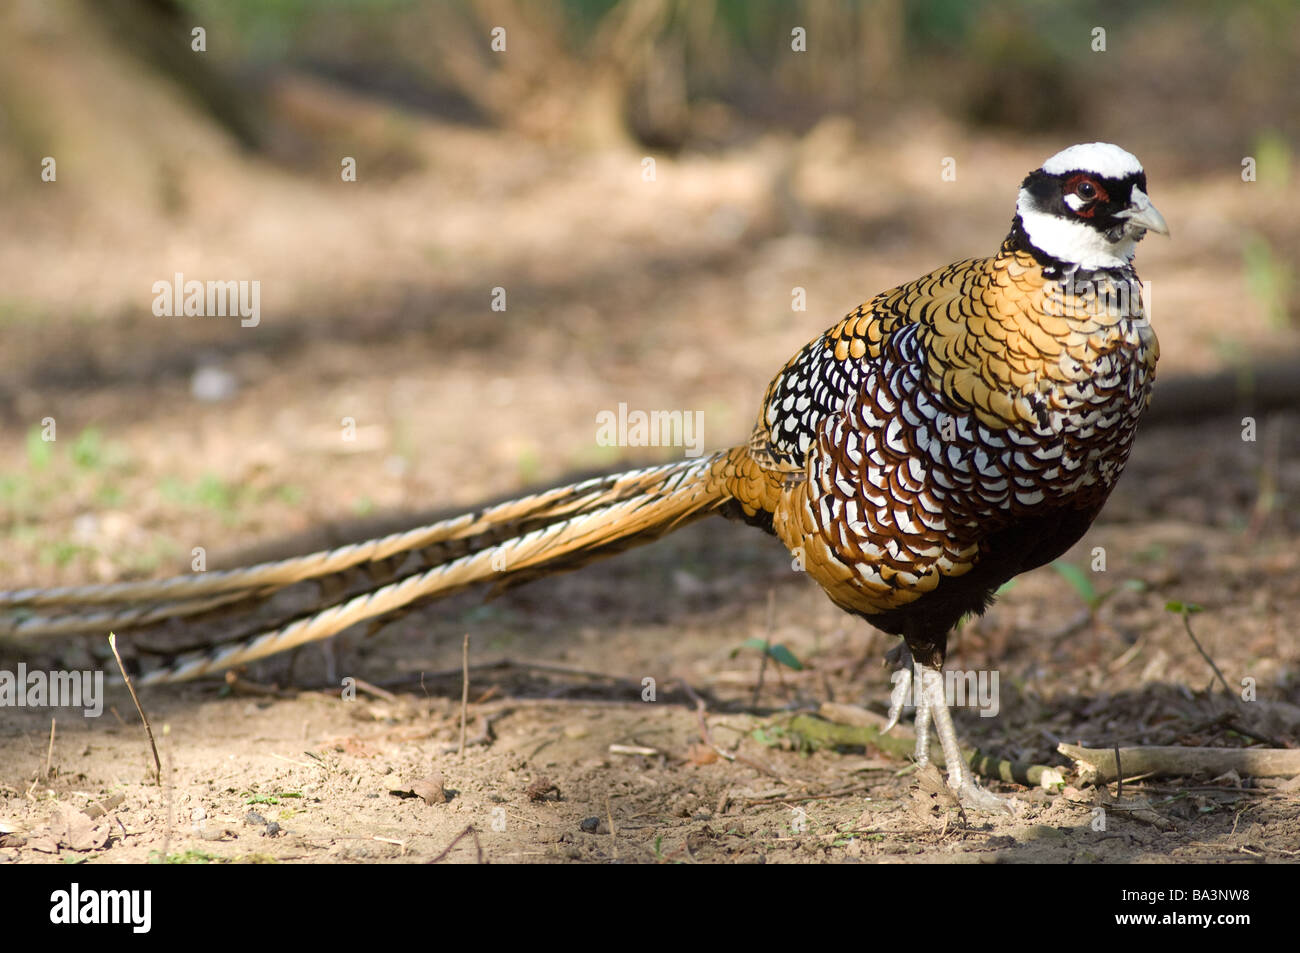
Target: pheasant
{"x":944,"y":437}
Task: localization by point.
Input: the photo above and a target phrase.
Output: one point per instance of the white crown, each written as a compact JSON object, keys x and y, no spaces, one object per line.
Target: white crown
{"x":1104,"y":159}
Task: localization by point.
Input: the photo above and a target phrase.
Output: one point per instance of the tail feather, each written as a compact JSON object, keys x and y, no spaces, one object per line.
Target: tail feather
{"x":555,"y":532}
{"x":137,"y":604}
{"x":314,"y":565}
{"x":114,"y":619}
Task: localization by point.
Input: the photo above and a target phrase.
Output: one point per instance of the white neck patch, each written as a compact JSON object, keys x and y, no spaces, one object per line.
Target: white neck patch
{"x":1072,"y":242}
{"x":1100,"y":158}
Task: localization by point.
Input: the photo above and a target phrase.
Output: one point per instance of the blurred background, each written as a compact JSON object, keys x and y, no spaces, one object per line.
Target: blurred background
{"x":795,"y":145}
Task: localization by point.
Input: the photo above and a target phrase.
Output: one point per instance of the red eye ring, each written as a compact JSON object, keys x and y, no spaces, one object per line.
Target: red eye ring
{"x":1088,"y":189}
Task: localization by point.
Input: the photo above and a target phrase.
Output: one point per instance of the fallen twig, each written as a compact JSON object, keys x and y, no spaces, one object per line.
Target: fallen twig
{"x":506,"y":665}
{"x":157,"y":763}
{"x":1098,"y":765}
{"x":1187,"y":624}
{"x":788,"y":799}
{"x":457,"y":839}
{"x":633,"y":749}
{"x":863,"y":728}
{"x":707,"y":736}
{"x":242,"y":686}
{"x":481,"y":736}
{"x":464,"y":692}
{"x":374,"y":691}
{"x":49,"y":754}
{"x":613,"y":831}
{"x":391,"y":840}
{"x":767,"y":645}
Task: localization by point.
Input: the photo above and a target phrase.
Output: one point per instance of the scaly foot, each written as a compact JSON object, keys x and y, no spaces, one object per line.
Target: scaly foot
{"x":960,"y":777}
{"x":931,"y":705}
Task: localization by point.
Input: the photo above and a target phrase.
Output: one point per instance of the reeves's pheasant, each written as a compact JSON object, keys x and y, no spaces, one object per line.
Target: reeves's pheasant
{"x":944,"y":437}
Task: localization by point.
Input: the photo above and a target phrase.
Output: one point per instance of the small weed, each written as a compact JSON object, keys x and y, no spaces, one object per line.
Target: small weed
{"x":778,"y":653}
{"x":60,"y":553}
{"x":212,"y":491}
{"x":770,"y":736}
{"x":87,"y":451}
{"x":39,"y":450}
{"x":209,"y":491}
{"x":528,"y":465}
{"x":10,"y":487}
{"x":110,"y":496}
{"x":185,"y":857}
{"x":1268,"y":279}
{"x":290,"y":494}
{"x":1154,"y":553}
{"x":1187,"y":610}
{"x":1080,"y":583}
{"x":1273,"y":155}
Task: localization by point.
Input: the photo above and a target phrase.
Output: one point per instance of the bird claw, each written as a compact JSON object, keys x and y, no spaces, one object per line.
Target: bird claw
{"x":977,"y":799}
{"x":932,"y":706}
{"x":898,"y":697}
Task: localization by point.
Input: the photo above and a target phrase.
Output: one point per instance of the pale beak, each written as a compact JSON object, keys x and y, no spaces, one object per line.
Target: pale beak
{"x":1141,"y":214}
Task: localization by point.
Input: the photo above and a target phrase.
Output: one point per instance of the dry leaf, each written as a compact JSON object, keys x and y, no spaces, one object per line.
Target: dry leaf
{"x":72,"y":829}
{"x":701,"y":753}
{"x":104,"y":805}
{"x":430,"y":789}
{"x":543,"y":786}
{"x":932,"y":798}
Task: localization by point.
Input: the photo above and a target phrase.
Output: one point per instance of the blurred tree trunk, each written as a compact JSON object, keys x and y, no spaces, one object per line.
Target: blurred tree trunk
{"x":540,"y":85}
{"x":880,"y":40}
{"x":159,"y":32}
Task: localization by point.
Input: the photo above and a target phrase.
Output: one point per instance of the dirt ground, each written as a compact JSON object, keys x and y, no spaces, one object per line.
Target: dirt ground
{"x":672,"y":295}
{"x":558,"y":681}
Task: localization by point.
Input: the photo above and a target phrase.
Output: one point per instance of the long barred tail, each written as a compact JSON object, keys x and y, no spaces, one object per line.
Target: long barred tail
{"x":507,"y":544}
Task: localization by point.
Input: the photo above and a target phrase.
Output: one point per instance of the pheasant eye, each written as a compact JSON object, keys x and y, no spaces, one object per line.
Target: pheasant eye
{"x":1084,"y":188}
